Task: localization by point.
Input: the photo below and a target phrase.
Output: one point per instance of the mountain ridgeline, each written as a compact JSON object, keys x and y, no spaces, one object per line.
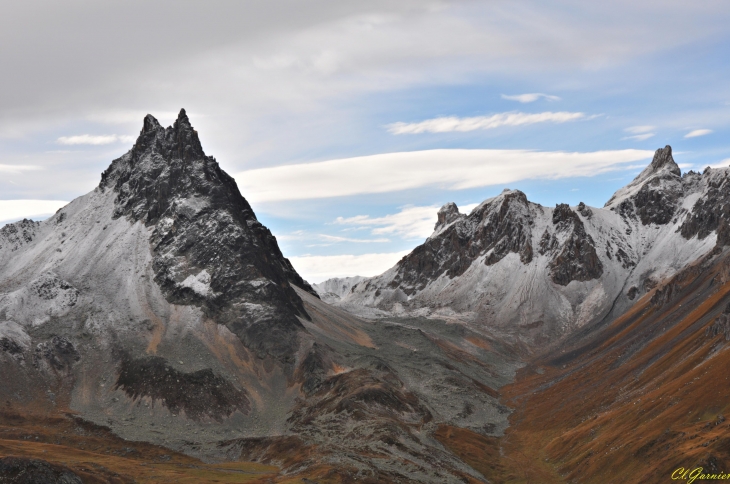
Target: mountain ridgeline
{"x":155,"y":319}
{"x":535,"y":273}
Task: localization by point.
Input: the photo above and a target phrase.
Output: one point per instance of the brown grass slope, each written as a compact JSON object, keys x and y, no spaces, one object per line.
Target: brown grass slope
{"x":639,"y":398}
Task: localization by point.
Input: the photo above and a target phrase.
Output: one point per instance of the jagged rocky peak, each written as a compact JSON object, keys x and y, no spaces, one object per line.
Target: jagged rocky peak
{"x":497,"y":227}
{"x":574,"y":256}
{"x":446,"y":215}
{"x":209,"y":249}
{"x":663,"y":161}
{"x":653,"y":195}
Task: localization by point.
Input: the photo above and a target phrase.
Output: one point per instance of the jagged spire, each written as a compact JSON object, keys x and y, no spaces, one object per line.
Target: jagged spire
{"x":663,"y":157}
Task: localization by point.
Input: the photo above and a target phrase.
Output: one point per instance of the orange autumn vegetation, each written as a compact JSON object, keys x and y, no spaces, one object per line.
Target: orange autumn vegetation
{"x":645,"y":395}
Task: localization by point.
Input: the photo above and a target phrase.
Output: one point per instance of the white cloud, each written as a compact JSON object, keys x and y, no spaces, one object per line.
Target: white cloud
{"x":722,"y":164}
{"x":334,"y":238}
{"x":14,"y":210}
{"x":17,"y":168}
{"x":639,"y":137}
{"x":301,"y":235}
{"x":450,"y":169}
{"x":453,"y":123}
{"x":640,"y":133}
{"x":697,"y":132}
{"x":87,"y":139}
{"x":318,"y":268}
{"x":530,"y":97}
{"x":640,"y":129}
{"x":409,"y":223}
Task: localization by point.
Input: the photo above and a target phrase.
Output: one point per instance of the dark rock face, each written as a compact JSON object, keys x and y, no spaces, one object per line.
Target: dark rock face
{"x":657,"y":199}
{"x":59,"y":353}
{"x":584,"y":210}
{"x":9,"y":346}
{"x":447,"y":214}
{"x":18,"y":234}
{"x":497,"y":228}
{"x":710,"y":213}
{"x":576,"y":257}
{"x":209,"y":249}
{"x":20,"y":470}
{"x":656,"y":204}
{"x":201,"y":394}
{"x":313,"y":370}
{"x":362,"y":395}
{"x":49,"y":286}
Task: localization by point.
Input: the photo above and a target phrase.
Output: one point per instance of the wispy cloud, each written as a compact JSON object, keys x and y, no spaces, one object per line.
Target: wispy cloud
{"x":317,"y":268}
{"x":640,"y":137}
{"x":334,"y":238}
{"x":640,"y":133}
{"x":453,"y":123}
{"x":14,"y":210}
{"x":722,"y":164}
{"x":302,"y":235}
{"x":88,"y":139}
{"x":17,"y":168}
{"x":697,"y":132}
{"x":640,"y":129}
{"x":450,"y":169}
{"x":530,"y":97}
{"x":410,"y":223}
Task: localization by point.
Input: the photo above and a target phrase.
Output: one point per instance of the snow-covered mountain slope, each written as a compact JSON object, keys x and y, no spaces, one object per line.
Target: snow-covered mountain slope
{"x":334,"y":289}
{"x":159,"y":307}
{"x":157,"y":294}
{"x":536,"y":273}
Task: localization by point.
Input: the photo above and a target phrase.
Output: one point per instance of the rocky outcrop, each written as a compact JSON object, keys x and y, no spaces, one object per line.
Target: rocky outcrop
{"x":575,"y":259}
{"x":447,"y":214}
{"x":23,"y":470}
{"x":654,"y":194}
{"x":493,"y":230}
{"x":201,"y":394}
{"x":209,"y":249}
{"x":14,"y":236}
{"x":711,"y":213}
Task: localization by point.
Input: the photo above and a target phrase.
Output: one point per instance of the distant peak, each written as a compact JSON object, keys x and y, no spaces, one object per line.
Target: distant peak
{"x":663,"y":157}
{"x":150,"y":123}
{"x":182,"y":119}
{"x":447,"y":214}
{"x":662,"y":166}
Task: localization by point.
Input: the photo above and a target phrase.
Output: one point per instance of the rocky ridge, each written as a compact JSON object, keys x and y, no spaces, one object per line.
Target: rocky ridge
{"x":167,"y":182}
{"x":535,"y":273}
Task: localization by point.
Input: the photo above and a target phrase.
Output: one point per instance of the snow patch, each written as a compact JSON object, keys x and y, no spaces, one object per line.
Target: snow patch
{"x":200,"y":284}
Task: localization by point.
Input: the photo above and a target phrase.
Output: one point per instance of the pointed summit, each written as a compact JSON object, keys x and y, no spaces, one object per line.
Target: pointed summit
{"x":653,"y":194}
{"x":662,"y":161}
{"x":204,"y":230}
{"x":150,"y":124}
{"x":447,"y":214}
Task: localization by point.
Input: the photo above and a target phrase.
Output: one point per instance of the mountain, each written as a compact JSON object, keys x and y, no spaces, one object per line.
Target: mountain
{"x":153,"y":331}
{"x":534,"y":274}
{"x":158,"y":312}
{"x":648,"y":391}
{"x":336,"y":288}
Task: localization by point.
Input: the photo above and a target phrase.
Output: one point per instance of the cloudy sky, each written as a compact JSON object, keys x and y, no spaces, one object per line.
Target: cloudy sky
{"x":348,"y":123}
